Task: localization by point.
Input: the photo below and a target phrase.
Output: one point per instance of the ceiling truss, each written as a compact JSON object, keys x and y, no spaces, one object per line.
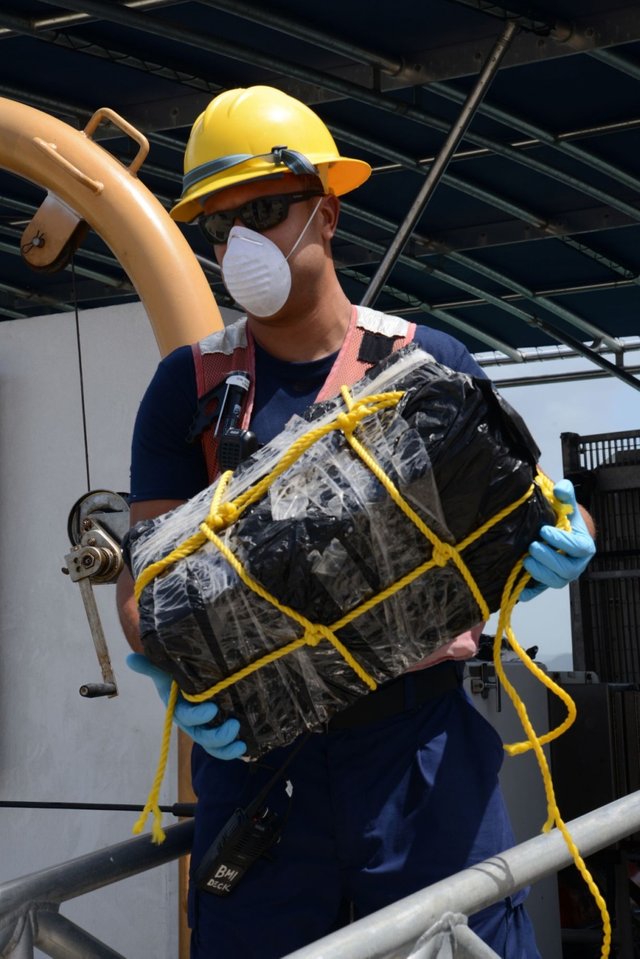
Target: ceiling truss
{"x":423,"y":90}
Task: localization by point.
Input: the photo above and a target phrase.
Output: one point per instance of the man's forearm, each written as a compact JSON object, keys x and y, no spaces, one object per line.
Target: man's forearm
{"x":126,"y":602}
{"x":128,"y":611}
{"x":591,"y":526}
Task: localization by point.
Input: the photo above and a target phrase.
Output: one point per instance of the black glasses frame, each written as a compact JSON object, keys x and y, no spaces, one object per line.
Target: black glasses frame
{"x":260,"y":214}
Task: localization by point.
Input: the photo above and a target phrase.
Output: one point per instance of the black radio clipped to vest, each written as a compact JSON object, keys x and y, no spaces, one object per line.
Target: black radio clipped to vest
{"x":235,"y":446}
{"x":247,"y":836}
{"x":244,"y":839}
{"x":224,"y":405}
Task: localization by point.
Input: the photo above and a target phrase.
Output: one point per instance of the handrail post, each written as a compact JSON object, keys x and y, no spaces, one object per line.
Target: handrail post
{"x":23,"y":948}
{"x":60,"y":938}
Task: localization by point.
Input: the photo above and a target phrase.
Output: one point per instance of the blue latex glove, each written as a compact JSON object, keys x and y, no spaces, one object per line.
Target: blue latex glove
{"x":549,"y":567}
{"x":192,"y":718}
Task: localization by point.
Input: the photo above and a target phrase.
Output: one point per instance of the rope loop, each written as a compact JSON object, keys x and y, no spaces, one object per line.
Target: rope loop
{"x":221,"y":514}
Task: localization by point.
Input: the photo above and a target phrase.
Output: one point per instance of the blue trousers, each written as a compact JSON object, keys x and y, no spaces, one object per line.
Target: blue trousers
{"x":376,"y":812}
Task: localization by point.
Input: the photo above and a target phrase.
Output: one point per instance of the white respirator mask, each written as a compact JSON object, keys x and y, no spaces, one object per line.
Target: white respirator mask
{"x":256,"y":272}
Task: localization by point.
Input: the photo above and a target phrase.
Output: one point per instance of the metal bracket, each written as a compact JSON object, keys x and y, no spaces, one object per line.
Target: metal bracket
{"x":483,"y":679}
{"x":96,"y":526}
{"x":56,"y":231}
{"x":52,"y":236}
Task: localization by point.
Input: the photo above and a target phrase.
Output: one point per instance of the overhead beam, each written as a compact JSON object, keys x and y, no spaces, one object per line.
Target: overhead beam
{"x":437,"y":169}
{"x":573,"y":290}
{"x":543,"y":136}
{"x":57,"y":20}
{"x":385,"y":103}
{"x":504,"y":232}
{"x":587,"y":32}
{"x":505,"y":304}
{"x":177,"y":110}
{"x":548,"y":328}
{"x":546,"y":379}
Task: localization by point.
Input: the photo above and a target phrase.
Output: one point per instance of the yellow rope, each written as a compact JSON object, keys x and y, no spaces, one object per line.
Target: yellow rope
{"x":216,"y":518}
{"x":511,"y":593}
{"x":223,"y":514}
{"x":152,"y":805}
{"x":313,"y":632}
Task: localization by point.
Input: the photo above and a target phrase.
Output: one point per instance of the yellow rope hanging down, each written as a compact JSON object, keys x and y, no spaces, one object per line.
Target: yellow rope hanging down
{"x":516,"y":582}
{"x":223,"y":514}
{"x":152,"y":804}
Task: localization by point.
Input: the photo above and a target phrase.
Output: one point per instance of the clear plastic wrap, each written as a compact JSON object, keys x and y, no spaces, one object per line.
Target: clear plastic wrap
{"x":327,"y":536}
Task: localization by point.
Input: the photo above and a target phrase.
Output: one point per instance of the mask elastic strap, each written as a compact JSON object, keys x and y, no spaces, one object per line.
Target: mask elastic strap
{"x":304,"y":229}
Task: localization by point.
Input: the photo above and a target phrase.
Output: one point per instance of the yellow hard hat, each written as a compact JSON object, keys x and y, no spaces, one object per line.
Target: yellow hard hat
{"x":255,"y":133}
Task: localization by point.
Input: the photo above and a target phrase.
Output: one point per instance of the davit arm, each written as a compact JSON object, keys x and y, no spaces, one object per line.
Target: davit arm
{"x":87,"y":187}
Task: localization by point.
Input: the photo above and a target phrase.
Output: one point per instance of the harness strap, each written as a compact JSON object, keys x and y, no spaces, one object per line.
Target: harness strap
{"x":371,"y":337}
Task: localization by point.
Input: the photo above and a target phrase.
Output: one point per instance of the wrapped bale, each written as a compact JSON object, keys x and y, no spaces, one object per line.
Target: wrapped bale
{"x":327,"y":537}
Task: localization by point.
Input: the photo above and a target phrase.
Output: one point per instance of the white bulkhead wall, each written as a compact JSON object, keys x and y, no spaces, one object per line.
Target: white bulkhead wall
{"x":54,"y":745}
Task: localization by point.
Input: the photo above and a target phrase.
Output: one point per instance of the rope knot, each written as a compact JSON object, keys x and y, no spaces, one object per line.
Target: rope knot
{"x":442,"y":553}
{"x":344,"y":422}
{"x":223,"y":516}
{"x":314,"y":635}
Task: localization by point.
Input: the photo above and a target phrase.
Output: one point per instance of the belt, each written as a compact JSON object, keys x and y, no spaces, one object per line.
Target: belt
{"x":405,"y":692}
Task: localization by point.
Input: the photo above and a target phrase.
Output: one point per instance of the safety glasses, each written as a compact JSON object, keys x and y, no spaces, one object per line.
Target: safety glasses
{"x":260,"y":214}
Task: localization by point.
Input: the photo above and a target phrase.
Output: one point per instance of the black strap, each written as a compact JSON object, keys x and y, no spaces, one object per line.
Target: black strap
{"x":408,"y":691}
{"x":256,"y":803}
{"x":375,"y":347}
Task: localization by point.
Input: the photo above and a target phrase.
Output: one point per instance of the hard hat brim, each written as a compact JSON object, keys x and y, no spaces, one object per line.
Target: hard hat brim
{"x":339,"y":176}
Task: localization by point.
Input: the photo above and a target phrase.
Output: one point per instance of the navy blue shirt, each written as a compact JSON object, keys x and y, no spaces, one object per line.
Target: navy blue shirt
{"x":165,"y":466}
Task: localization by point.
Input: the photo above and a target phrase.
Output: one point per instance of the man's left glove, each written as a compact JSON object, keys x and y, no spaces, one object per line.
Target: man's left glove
{"x":559,"y":557}
{"x":221,"y":742}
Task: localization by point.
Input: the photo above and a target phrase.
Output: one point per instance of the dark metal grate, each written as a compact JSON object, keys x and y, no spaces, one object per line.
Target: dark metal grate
{"x":605,"y":603}
{"x":607,"y":449}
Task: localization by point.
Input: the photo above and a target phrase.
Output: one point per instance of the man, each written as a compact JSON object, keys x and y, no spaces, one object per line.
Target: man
{"x":388,"y":800}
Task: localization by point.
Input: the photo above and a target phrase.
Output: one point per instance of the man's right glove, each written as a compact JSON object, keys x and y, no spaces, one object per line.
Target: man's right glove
{"x":219,"y":741}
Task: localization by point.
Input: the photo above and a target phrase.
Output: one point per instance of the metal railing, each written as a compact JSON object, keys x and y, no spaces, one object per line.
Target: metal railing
{"x":29,"y":915}
{"x":402,"y":930}
{"x":427,"y":924}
